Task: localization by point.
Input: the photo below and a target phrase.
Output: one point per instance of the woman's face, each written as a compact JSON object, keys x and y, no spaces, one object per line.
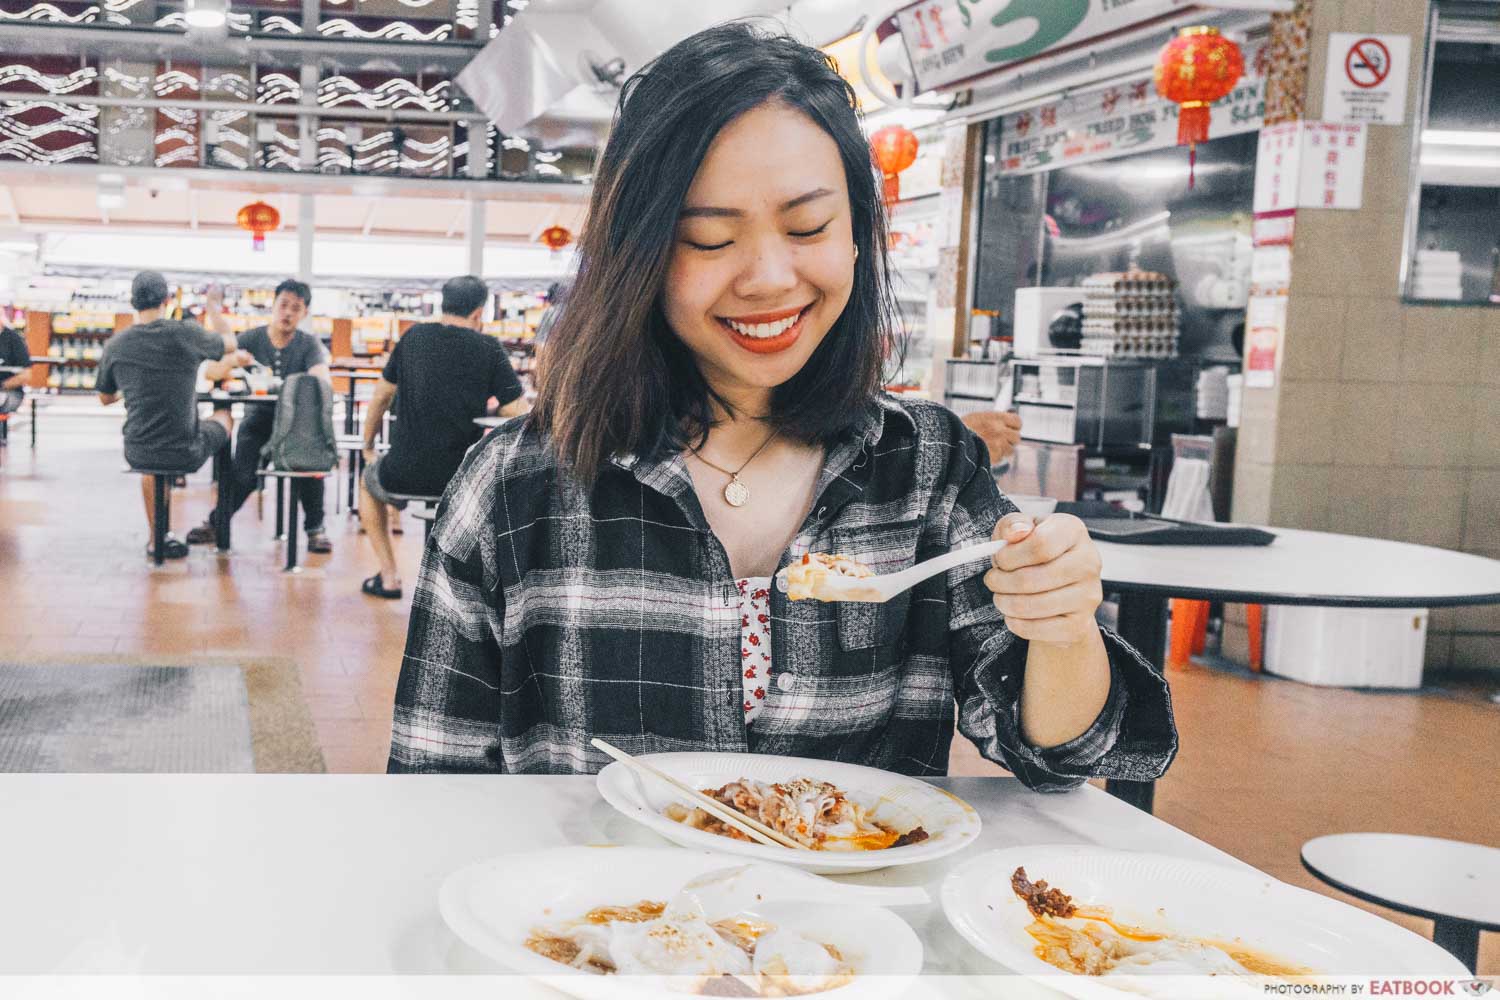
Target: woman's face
{"x":763,"y":261}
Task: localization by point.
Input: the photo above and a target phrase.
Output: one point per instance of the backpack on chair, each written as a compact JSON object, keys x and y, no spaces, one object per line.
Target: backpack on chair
{"x":302,"y":439}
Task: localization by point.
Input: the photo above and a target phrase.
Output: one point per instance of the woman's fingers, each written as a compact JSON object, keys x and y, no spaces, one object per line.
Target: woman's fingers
{"x":1079,"y":597}
{"x":1052,"y":536}
{"x":1013,"y":528}
{"x":1078,"y":563}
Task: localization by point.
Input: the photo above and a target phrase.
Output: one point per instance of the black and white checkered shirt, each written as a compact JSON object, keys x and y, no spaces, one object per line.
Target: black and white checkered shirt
{"x":545,"y":616}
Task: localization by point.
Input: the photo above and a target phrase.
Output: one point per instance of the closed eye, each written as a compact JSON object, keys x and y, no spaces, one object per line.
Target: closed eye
{"x":812,"y":232}
{"x":708,"y":246}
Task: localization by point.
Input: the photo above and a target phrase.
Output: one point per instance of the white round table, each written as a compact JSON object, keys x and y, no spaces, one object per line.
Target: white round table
{"x":1454,"y":884}
{"x":1299,"y":567}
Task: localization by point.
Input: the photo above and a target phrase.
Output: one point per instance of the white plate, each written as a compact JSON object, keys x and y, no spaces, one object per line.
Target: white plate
{"x":894,"y":799}
{"x":1186,"y":897}
{"x":495,"y":905}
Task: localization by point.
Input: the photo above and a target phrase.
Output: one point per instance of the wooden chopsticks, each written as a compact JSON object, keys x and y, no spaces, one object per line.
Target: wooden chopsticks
{"x":747,"y":825}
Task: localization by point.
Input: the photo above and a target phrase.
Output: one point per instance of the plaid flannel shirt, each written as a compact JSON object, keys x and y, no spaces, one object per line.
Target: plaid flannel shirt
{"x":545,"y":615}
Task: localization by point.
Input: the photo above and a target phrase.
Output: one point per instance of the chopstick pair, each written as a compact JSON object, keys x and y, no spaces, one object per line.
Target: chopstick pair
{"x":747,"y":825}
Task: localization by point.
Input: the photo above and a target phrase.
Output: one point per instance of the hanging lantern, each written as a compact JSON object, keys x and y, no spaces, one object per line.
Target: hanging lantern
{"x":260,"y":219}
{"x":556,"y":237}
{"x":895,"y":149}
{"x":1194,"y":70}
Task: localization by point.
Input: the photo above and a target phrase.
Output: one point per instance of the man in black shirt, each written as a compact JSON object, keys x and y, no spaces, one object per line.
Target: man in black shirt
{"x":445,"y":374}
{"x":154,"y":366}
{"x":13,"y":354}
{"x":286,"y":350}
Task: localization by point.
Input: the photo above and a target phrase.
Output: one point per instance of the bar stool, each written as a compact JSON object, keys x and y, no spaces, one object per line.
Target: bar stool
{"x":161,"y":507}
{"x":290,"y":523}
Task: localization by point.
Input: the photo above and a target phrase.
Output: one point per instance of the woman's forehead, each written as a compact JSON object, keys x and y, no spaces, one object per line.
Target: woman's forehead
{"x":770,"y":155}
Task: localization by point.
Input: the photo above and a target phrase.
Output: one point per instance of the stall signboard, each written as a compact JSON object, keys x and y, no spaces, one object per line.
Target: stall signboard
{"x":1119,"y":119}
{"x":1332,"y":166}
{"x":1278,"y":157}
{"x":1366,"y":78}
{"x":949,"y":41}
{"x":1265,"y":327}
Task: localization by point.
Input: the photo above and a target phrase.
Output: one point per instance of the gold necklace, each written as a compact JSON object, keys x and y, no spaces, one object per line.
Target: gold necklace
{"x":736,"y":493}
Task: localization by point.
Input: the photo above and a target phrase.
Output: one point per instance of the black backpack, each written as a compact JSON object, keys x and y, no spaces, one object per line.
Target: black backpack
{"x":302,"y":439}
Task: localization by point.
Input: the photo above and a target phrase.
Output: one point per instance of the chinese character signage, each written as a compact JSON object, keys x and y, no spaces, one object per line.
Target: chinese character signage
{"x":1118,"y":119}
{"x":1278,"y":160}
{"x":1333,"y":166}
{"x":1366,"y":78}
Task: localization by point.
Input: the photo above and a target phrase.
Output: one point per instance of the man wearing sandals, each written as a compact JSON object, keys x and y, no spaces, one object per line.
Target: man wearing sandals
{"x":153,"y":365}
{"x":446,"y":373}
{"x":283,"y":349}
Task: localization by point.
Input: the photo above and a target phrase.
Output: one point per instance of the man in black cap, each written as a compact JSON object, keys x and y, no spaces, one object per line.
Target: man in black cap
{"x":153,"y":365}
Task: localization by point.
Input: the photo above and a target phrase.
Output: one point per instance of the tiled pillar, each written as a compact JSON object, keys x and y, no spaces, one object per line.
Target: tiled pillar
{"x":1385,"y":419}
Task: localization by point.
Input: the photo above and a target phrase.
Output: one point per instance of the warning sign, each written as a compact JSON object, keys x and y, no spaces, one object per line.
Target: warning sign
{"x":1366,"y":79}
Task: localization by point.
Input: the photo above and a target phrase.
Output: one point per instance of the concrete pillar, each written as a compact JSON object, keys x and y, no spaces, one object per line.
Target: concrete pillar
{"x":306,"y":231}
{"x":476,"y":235}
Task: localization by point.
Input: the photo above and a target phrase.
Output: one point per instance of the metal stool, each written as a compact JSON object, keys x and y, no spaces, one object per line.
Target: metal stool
{"x":290,"y":506}
{"x":426,"y":515}
{"x":161,"y":507}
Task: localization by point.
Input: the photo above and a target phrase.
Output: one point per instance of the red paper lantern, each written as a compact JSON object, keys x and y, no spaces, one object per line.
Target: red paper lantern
{"x":895,"y":149}
{"x":556,"y":237}
{"x":1194,"y":70}
{"x":260,"y":219}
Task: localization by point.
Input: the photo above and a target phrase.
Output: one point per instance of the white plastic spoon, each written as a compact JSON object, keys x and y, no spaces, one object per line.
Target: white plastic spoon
{"x":879,"y":589}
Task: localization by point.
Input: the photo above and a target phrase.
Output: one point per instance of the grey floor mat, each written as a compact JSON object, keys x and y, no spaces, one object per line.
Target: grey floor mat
{"x":100,"y":718}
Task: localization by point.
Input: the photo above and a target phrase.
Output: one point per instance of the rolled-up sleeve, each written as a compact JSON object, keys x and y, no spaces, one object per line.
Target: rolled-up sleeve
{"x":1133,"y":737}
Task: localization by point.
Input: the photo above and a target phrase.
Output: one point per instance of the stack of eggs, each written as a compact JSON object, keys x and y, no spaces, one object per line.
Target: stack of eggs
{"x":1130,"y":314}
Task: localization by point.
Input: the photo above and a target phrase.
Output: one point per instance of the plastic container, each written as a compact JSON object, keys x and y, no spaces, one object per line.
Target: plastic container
{"x":1339,"y":647}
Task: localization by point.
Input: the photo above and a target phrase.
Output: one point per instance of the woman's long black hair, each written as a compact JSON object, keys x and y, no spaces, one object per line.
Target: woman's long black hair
{"x":615,"y":379}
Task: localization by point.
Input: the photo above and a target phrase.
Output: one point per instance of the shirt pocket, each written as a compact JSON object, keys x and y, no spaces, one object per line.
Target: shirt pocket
{"x":885,"y":548}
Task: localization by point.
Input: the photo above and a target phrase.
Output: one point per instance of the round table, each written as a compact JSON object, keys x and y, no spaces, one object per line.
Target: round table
{"x":1454,"y":884}
{"x":1301,"y":567}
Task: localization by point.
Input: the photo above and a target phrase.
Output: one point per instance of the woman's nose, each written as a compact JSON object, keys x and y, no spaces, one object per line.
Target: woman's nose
{"x":770,"y":270}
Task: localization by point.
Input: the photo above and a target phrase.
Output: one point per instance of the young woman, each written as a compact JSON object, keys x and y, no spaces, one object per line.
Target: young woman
{"x":711,"y":411}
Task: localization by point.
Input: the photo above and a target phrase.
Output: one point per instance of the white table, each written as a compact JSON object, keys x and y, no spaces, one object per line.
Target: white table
{"x":314,"y":875}
{"x":1454,"y":884}
{"x":1300,"y":567}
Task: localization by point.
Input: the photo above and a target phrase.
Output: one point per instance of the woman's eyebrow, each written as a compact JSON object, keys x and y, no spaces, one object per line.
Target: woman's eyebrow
{"x":716,"y":212}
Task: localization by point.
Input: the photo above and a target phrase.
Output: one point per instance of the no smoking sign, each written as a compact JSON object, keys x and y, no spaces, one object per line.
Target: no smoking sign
{"x":1368,"y":63}
{"x":1366,"y":79}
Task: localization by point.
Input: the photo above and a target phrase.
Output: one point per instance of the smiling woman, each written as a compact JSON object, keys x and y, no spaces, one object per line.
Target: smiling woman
{"x":709,"y":412}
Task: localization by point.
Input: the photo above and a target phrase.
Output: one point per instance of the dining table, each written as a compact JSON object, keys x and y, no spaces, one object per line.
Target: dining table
{"x":328,"y":885}
{"x":354,"y":375}
{"x":1316,"y":568}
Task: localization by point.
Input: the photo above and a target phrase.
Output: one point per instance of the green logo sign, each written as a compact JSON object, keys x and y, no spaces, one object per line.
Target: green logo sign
{"x":1055,"y":19}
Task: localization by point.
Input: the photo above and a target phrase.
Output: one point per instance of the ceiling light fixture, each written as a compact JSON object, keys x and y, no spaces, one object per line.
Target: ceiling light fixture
{"x":206,"y":13}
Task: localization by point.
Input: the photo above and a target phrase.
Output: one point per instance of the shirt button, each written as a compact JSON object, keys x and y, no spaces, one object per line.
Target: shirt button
{"x":786,"y":681}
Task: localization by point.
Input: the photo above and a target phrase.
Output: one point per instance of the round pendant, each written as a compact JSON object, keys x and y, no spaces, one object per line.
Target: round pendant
{"x":736,"y":493}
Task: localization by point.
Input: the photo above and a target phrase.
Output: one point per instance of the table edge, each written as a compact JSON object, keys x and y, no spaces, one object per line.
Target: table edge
{"x":1302,"y":600}
{"x":1479,"y":925}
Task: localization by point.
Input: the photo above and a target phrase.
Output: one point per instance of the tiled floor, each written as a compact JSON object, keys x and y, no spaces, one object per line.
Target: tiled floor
{"x":1264,"y":765}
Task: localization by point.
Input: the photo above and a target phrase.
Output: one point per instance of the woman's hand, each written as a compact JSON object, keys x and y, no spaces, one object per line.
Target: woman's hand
{"x":1046,"y":581}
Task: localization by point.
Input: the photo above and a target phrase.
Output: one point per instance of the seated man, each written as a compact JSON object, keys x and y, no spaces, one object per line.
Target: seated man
{"x":285,"y":350}
{"x":13,"y":354}
{"x":446,"y":373}
{"x":154,"y":366}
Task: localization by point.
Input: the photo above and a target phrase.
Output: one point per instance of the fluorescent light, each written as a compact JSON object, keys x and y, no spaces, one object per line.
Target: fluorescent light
{"x":207,"y":13}
{"x":1453,"y":137}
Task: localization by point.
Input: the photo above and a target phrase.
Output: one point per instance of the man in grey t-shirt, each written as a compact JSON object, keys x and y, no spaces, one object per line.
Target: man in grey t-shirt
{"x":153,"y":365}
{"x":286,"y":350}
